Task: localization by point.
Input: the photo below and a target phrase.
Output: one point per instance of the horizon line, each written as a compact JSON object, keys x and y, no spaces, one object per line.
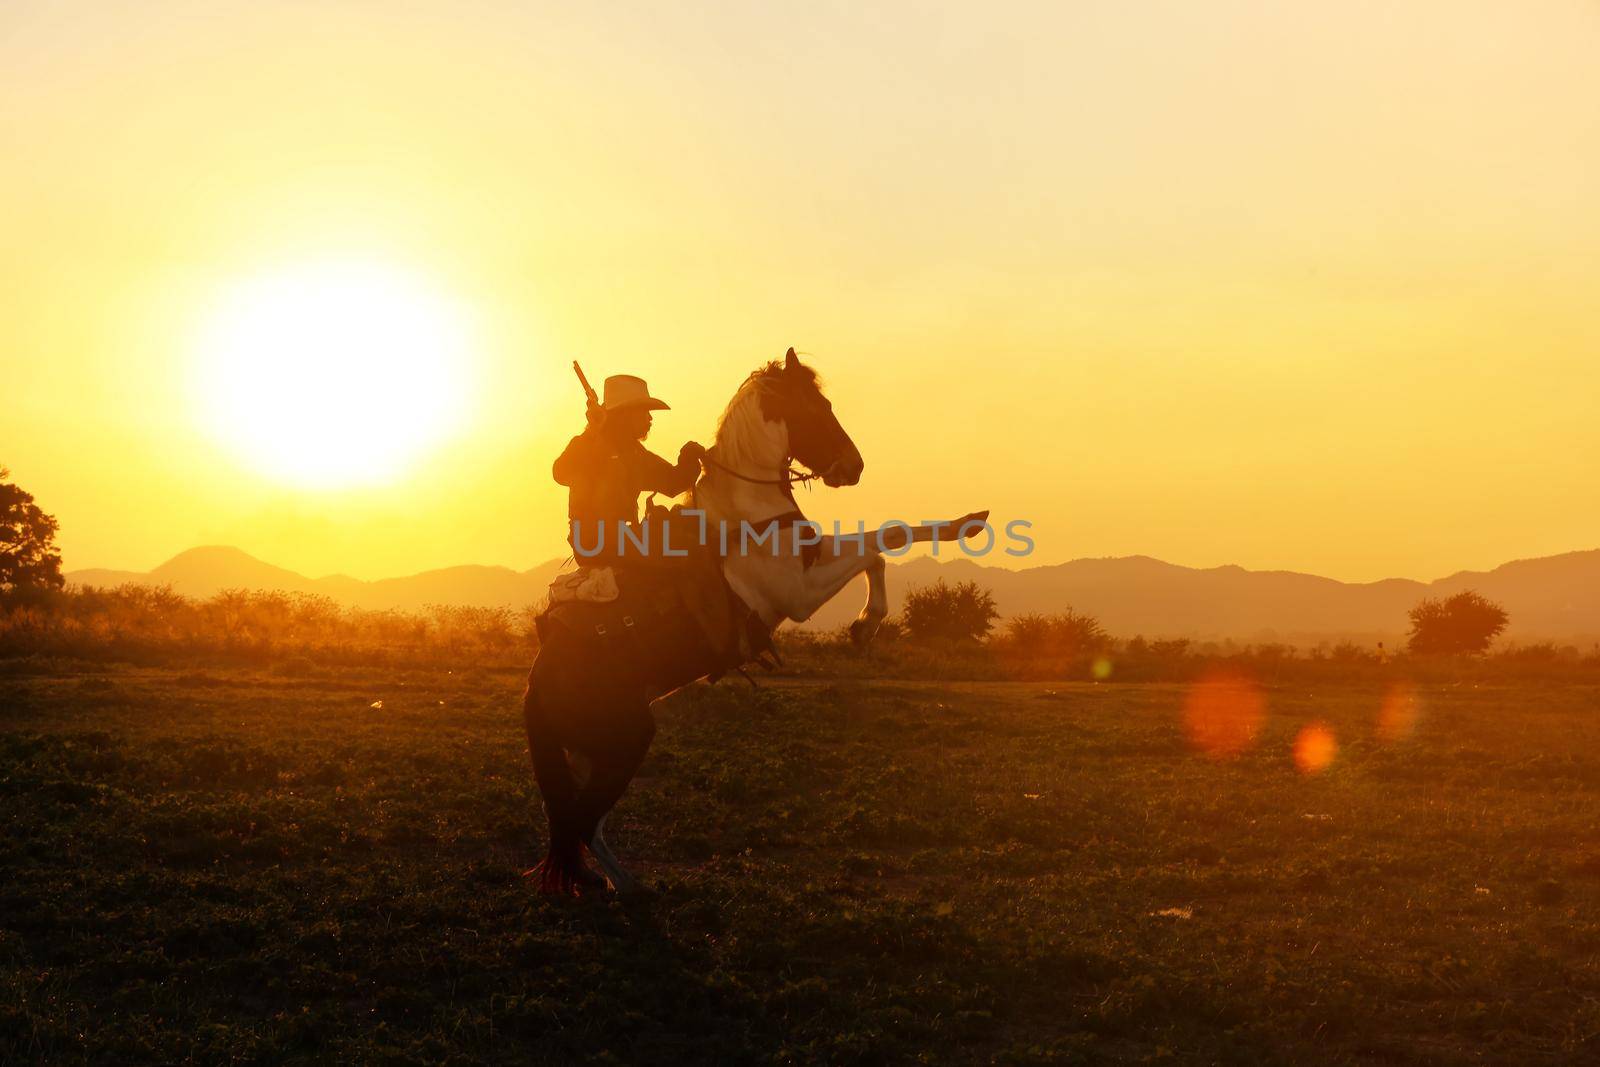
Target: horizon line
{"x":941,"y":558}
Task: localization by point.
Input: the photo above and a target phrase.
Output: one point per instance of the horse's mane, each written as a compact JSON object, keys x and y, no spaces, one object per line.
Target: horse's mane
{"x":741,"y":426}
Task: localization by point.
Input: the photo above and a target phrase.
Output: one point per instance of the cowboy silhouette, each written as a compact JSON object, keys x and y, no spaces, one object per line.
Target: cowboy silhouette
{"x":606,"y":468}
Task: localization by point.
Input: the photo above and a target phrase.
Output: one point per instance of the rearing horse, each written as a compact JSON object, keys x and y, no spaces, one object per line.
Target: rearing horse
{"x":589,"y":727}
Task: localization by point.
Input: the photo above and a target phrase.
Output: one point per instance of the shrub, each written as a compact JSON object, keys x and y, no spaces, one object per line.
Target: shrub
{"x":961,"y":612}
{"x":1065,"y":633}
{"x":145,"y":622}
{"x":1542,"y":652}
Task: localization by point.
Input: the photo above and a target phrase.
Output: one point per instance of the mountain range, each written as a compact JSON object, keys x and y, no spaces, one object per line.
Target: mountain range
{"x":206,"y":571}
{"x":1554,"y":597}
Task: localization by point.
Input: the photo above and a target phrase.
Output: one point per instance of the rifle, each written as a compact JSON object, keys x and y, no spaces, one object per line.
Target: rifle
{"x":588,"y":390}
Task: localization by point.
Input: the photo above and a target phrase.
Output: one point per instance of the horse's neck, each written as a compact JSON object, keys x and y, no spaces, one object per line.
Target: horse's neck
{"x":757,"y":449}
{"x":727,"y":499}
{"x":774,"y":582}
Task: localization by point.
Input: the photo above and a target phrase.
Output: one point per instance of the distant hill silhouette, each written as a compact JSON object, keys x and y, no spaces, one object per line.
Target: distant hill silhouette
{"x":1556,"y":597}
{"x":203,"y":572}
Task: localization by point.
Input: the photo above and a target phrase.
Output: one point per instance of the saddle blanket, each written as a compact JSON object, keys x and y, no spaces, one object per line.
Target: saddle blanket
{"x":590,"y":585}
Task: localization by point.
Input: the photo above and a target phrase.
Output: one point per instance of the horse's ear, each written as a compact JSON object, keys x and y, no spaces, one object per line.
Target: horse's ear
{"x":791,"y":361}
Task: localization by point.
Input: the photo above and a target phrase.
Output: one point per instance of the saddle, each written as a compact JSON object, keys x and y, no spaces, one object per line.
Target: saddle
{"x":671,"y":620}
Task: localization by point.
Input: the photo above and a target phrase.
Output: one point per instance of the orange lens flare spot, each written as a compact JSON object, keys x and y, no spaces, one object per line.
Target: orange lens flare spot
{"x":1222,"y":714}
{"x":1315,"y":748}
{"x":1398,"y":714}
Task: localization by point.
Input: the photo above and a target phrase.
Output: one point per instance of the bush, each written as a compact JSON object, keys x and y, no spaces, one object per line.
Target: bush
{"x":941,"y":612}
{"x":1348,"y":652}
{"x":1065,"y":633}
{"x":1462,"y":624}
{"x":153,"y":622}
{"x":1544,"y":652}
{"x":1170,"y":649}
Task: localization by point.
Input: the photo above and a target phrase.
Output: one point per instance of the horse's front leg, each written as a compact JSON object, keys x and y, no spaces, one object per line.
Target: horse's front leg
{"x":876,"y":609}
{"x":779,"y":588}
{"x":837,"y":564}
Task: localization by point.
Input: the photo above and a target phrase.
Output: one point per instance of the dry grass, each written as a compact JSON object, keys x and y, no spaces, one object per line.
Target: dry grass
{"x":143,"y":624}
{"x":225,"y":864}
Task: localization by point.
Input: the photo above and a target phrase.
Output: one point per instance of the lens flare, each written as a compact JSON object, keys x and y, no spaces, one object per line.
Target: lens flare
{"x":1222,"y":714}
{"x":1398,"y":714}
{"x":1101,"y":669}
{"x":1315,"y":748}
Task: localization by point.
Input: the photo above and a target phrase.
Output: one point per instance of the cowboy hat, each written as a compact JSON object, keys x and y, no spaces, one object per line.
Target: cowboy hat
{"x":626,"y":391}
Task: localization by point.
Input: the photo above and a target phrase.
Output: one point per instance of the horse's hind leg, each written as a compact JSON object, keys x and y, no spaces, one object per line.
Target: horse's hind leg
{"x":620,"y":880}
{"x":612,"y":767}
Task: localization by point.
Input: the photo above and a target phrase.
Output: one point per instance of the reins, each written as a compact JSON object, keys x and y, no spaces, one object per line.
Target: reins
{"x":787,"y":478}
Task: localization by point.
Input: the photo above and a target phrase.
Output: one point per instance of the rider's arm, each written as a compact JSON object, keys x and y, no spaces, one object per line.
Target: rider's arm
{"x":579,"y":457}
{"x":669,"y":479}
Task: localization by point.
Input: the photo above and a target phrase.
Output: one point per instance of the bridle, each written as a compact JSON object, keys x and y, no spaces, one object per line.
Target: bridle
{"x":783,"y":520}
{"x":789,"y":477}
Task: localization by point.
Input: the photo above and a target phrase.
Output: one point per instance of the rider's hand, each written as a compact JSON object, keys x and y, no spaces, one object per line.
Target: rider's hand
{"x":595,"y":414}
{"x":691,"y":450}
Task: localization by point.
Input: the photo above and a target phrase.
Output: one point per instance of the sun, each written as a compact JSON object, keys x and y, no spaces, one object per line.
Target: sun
{"x":333,"y":374}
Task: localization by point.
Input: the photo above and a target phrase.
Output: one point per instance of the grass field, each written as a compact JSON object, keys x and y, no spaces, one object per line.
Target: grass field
{"x":219,"y":866}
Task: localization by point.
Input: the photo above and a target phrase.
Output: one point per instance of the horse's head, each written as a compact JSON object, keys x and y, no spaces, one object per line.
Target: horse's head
{"x":793,"y":396}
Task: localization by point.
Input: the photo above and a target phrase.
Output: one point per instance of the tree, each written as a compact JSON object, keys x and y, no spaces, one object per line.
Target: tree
{"x":960,"y":612}
{"x":1464,"y":623}
{"x":29,"y":560}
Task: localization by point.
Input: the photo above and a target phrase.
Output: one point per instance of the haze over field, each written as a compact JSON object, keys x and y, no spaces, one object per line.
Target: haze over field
{"x":1552,"y":598}
{"x":1299,"y":286}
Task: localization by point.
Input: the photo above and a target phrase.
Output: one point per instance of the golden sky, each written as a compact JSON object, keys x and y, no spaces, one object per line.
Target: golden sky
{"x":1306,"y":286}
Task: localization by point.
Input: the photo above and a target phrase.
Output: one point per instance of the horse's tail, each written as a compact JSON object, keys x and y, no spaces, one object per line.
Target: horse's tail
{"x":562,"y":867}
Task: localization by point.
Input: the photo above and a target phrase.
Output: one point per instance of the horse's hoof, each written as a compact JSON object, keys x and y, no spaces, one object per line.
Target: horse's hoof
{"x":861,"y":632}
{"x":565,"y":880}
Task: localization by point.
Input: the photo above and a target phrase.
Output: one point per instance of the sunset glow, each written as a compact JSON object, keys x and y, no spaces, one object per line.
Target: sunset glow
{"x":904,"y":532}
{"x":1227,"y":283}
{"x":331,"y":374}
